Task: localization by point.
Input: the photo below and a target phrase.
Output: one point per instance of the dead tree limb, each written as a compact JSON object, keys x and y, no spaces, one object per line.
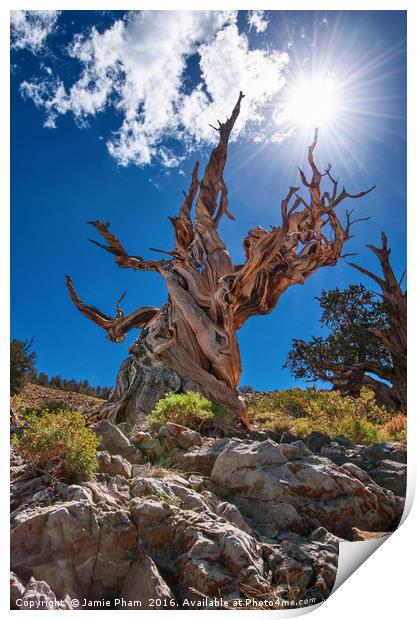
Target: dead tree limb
{"x":394,"y":337}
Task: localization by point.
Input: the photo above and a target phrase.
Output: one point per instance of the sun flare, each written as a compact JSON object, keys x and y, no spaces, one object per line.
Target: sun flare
{"x":312,"y":102}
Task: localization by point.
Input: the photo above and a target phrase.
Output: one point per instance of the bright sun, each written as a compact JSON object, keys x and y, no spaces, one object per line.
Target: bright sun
{"x":312,"y":102}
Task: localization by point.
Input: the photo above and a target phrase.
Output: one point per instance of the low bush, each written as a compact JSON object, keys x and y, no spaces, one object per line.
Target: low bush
{"x":293,"y":403}
{"x":358,"y":430}
{"x":49,"y":405}
{"x":360,"y":419}
{"x":191,"y":410}
{"x":60,"y":443}
{"x":396,"y":427}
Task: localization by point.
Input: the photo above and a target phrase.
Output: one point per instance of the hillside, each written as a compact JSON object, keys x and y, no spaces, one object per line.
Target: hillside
{"x":41,"y":397}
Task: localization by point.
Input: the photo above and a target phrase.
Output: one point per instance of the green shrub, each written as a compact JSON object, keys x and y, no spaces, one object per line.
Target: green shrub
{"x":191,"y":410}
{"x":292,"y":403}
{"x":350,"y":426}
{"x":59,"y":442}
{"x":302,"y":411}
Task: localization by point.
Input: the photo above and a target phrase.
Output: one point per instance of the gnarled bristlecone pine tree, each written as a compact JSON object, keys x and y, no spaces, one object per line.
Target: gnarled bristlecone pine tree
{"x":190,"y":343}
{"x":394,"y":336}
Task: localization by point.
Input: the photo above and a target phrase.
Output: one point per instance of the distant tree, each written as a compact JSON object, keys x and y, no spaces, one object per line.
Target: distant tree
{"x":246,"y":389}
{"x":105,"y":392}
{"x":56,"y":382}
{"x":366,"y":346}
{"x":42,"y":379}
{"x":22,"y":362}
{"x":22,"y":370}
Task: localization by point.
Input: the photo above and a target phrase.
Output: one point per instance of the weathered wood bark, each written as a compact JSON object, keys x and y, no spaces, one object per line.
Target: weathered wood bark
{"x":191,"y":342}
{"x":394,"y":337}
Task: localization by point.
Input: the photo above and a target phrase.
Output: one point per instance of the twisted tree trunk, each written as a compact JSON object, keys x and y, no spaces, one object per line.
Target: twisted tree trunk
{"x":394,"y":337}
{"x":191,"y":342}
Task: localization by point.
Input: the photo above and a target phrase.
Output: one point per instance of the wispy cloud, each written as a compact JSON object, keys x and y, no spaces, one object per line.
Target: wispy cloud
{"x":257,"y":20}
{"x":137,"y":67}
{"x":29,"y":29}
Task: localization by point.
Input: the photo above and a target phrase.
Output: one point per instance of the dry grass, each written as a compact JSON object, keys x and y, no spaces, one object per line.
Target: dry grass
{"x":37,"y":397}
{"x":396,"y":427}
{"x":159,"y":471}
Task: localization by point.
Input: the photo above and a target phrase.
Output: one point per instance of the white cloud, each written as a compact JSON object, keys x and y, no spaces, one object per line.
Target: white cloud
{"x":229,"y":66}
{"x":257,"y":20}
{"x":138,"y":65}
{"x":29,"y":29}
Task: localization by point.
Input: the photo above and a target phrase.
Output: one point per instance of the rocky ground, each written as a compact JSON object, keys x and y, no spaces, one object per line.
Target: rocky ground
{"x":186,"y":521}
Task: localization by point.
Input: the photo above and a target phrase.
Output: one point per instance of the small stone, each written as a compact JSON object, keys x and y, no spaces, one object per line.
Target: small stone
{"x":343,"y":441}
{"x":375,"y":453}
{"x":141,"y":470}
{"x":288,"y":437}
{"x":114,"y":465}
{"x":76,"y":492}
{"x":358,"y":534}
{"x":152,"y":447}
{"x":189,"y":438}
{"x":39,"y":596}
{"x":315,"y":441}
{"x":399,"y":456}
{"x":139,"y":436}
{"x":175,"y":429}
{"x":17,"y":590}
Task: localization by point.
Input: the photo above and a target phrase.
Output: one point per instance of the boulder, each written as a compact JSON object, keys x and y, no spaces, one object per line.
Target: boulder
{"x":174,"y":487}
{"x":337,"y":455}
{"x":278,"y":492}
{"x":398,"y":453}
{"x":56,"y":544}
{"x":141,"y":470}
{"x":143,"y":582}
{"x":115,"y":442}
{"x":201,"y":460}
{"x":304,"y":567}
{"x":151,"y":447}
{"x":198,"y":553}
{"x":74,"y":547}
{"x":391,"y":475}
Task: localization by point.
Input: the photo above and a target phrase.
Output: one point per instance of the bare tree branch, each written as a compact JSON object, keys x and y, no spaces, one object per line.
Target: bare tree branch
{"x":115,"y":247}
{"x":118,"y":326}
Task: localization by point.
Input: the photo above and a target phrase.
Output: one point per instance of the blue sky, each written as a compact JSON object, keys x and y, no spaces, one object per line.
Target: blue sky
{"x":127,"y":107}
